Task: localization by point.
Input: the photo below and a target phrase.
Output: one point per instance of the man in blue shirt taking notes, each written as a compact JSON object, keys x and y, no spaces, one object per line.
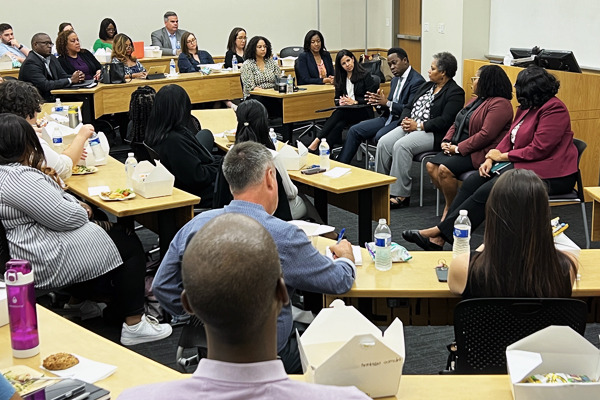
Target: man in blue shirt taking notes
{"x":169,"y":37}
{"x":249,"y":169}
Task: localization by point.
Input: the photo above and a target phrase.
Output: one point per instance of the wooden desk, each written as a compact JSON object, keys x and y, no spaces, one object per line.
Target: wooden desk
{"x":449,"y":387}
{"x":580,"y":95}
{"x":362,"y":192}
{"x":594,"y":194}
{"x":58,"y":334}
{"x":163,"y":215}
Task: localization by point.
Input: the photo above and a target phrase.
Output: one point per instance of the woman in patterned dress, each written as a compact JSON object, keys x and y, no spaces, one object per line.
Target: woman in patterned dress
{"x":422,"y":126}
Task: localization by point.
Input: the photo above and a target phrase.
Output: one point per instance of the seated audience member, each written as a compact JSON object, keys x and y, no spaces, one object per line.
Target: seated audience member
{"x":239,"y":308}
{"x":22,"y":99}
{"x":477,"y":129}
{"x":249,"y":169}
{"x":7,"y":391}
{"x":352,"y":82}
{"x":43,"y":70}
{"x":123,"y":52}
{"x":421,"y":127}
{"x":106,"y":36}
{"x":10,"y":46}
{"x":140,"y":107}
{"x":236,"y":45}
{"x":314,"y":65}
{"x":52,"y":230}
{"x":259,"y":69}
{"x":191,"y":56}
{"x":540,"y":139}
{"x":72,"y":57}
{"x":404,"y":85}
{"x":518,"y":258}
{"x":64,"y":26}
{"x":170,"y":133}
{"x":169,"y":37}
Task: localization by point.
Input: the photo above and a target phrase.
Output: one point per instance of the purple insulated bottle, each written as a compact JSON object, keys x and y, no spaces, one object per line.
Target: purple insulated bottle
{"x":22,"y":315}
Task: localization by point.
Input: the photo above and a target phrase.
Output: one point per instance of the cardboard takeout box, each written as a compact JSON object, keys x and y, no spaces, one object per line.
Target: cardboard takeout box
{"x":292,"y":159}
{"x":150,"y":181}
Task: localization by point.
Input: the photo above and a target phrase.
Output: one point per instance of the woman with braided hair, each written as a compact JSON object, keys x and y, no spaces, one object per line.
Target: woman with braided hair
{"x":140,"y":106}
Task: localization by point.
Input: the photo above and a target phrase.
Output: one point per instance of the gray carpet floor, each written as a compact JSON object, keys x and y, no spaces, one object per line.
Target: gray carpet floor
{"x":426,"y":351}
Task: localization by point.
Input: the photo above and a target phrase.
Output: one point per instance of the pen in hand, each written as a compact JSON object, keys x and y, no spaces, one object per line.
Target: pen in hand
{"x":340,"y":237}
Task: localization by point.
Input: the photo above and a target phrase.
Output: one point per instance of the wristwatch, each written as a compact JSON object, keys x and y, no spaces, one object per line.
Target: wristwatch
{"x":456,"y":150}
{"x":419,"y":126}
{"x":20,"y":47}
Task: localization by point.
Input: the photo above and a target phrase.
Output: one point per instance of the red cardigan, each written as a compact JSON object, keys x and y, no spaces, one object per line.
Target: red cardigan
{"x":544,"y":142}
{"x":487,"y":126}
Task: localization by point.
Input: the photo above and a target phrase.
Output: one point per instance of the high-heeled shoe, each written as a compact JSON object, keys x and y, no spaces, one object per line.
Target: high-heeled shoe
{"x":423,"y":242}
{"x":399,"y":203}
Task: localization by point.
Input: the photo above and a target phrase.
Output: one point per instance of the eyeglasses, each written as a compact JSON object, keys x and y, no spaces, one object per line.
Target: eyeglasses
{"x":46,"y":43}
{"x":110,"y":29}
{"x":474,"y":78}
{"x":191,"y":40}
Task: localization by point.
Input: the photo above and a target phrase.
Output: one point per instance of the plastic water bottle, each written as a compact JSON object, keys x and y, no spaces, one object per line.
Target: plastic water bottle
{"x":58,"y":107}
{"x":273,"y":137}
{"x":22,"y":315}
{"x":383,"y":246}
{"x":130,"y":165}
{"x":96,"y":148}
{"x":275,"y":59}
{"x":172,"y":67}
{"x":177,"y":48}
{"x":290,"y":84}
{"x":324,"y":154}
{"x":57,"y":140}
{"x":462,"y":234}
{"x":234,"y":63}
{"x":371,"y":162}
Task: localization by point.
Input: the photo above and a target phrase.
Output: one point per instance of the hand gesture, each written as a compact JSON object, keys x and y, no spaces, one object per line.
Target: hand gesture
{"x":484,"y":169}
{"x":344,"y":249}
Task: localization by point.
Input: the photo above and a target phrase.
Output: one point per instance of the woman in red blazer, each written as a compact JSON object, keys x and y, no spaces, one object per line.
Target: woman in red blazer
{"x":540,"y":139}
{"x":477,"y":129}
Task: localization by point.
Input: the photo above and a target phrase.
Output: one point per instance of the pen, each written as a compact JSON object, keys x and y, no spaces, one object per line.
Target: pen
{"x":341,"y":235}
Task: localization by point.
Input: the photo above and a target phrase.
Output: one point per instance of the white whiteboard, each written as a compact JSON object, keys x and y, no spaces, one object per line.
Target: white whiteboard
{"x":549,"y":24}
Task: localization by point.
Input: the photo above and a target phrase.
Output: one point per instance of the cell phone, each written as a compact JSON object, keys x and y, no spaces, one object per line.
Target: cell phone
{"x":312,"y":171}
{"x":442,"y":273}
{"x":499,"y":166}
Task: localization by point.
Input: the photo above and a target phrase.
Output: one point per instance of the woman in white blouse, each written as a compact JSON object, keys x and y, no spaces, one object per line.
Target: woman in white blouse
{"x":52,"y":230}
{"x":23,"y":99}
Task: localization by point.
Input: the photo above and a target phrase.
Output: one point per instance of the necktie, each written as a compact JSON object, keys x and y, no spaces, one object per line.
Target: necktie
{"x":395,"y":99}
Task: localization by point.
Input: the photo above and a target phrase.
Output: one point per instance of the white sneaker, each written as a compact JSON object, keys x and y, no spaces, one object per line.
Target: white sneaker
{"x":87,"y":309}
{"x":147,"y":330}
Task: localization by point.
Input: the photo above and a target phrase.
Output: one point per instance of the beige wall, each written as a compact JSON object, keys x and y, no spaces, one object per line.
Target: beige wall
{"x":284,"y":22}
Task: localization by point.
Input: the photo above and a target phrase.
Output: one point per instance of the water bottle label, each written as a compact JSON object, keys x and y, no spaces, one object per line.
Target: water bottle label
{"x":57,"y":140}
{"x":58,"y":109}
{"x":94,"y":142}
{"x":324,"y":152}
{"x":383,"y":242}
{"x":461,"y":233}
{"x":16,"y":302}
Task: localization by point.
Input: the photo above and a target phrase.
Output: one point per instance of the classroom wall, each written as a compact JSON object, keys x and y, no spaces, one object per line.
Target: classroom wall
{"x":284,"y":22}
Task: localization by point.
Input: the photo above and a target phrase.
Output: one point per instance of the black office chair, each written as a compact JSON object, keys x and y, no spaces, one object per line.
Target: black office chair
{"x":291,"y":51}
{"x":153,"y":154}
{"x":4,"y":251}
{"x":483,"y":328}
{"x":193,"y":336}
{"x":576,"y":195}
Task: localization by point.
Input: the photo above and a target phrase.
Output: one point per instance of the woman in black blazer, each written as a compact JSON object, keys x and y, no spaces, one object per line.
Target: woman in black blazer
{"x":422,"y":126}
{"x":74,"y":58}
{"x":314,"y":66}
{"x":352,"y":82}
{"x":236,"y":45}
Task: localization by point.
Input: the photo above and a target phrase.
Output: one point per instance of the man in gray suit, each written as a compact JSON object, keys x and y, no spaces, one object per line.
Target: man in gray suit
{"x":169,"y":37}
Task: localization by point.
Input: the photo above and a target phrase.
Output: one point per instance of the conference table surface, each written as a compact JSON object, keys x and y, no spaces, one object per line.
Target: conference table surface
{"x":363,"y":192}
{"x":58,"y":334}
{"x":594,"y":194}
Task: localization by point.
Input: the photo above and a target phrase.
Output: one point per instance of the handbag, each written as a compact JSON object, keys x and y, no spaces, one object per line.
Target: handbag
{"x":113,"y":73}
{"x":377,"y":65}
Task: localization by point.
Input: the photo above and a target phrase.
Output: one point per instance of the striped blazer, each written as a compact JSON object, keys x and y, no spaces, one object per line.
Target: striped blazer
{"x":47,"y":226}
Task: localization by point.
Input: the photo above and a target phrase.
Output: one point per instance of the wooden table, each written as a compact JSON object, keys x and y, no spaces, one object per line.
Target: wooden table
{"x":362,"y":192}
{"x":47,"y":107}
{"x":594,"y":194}
{"x":58,"y":334}
{"x":448,"y":387}
{"x":163,"y":215}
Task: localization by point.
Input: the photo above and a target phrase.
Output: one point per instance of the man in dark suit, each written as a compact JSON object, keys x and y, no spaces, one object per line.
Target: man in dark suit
{"x":43,"y":70}
{"x":169,"y":37}
{"x":404,"y":85}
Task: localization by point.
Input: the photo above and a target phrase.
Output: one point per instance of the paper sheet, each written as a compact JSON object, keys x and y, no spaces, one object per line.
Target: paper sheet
{"x":87,"y":370}
{"x":96,"y":190}
{"x":355,"y":250}
{"x":337,"y":172}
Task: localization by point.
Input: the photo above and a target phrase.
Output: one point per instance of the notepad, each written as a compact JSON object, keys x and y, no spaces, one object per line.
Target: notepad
{"x":337,"y":172}
{"x":96,"y":190}
{"x":355,"y":250}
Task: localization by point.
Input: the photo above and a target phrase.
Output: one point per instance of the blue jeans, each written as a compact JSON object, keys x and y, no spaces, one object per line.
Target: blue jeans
{"x":372,"y":128}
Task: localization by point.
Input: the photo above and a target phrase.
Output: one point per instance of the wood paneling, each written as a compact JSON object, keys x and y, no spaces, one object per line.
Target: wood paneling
{"x":410,"y":24}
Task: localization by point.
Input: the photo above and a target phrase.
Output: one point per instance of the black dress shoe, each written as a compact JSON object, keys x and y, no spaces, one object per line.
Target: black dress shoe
{"x":421,"y":241}
{"x":399,"y":203}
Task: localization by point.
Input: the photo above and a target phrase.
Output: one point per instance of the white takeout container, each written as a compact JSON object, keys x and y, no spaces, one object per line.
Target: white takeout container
{"x":103,"y":56}
{"x":292,"y":159}
{"x":90,"y":159}
{"x":342,"y":347}
{"x":5,"y":62}
{"x":150,"y":181}
{"x":288,"y":61}
{"x":563,"y":243}
{"x":312,"y":230}
{"x":68,"y":134}
{"x":556,"y":349}
{"x":3,"y":306}
{"x":152,"y":52}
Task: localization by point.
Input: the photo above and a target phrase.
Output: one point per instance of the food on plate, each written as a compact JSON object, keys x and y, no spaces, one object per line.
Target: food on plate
{"x":117,"y":194}
{"x":82,"y":169}
{"x":19,"y":381}
{"x":60,"y":361}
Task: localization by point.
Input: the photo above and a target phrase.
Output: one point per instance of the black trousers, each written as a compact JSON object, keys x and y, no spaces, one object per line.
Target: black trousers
{"x":274,"y":106}
{"x":474,"y":193}
{"x":124,"y":285}
{"x":332,"y":130}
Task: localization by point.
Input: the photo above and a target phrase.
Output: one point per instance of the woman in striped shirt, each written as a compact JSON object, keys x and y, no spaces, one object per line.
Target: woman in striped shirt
{"x":51,"y":229}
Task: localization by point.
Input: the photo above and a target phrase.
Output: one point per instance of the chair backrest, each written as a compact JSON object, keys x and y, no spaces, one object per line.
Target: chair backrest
{"x":153,"y":154}
{"x":377,"y":80}
{"x":4,"y":250}
{"x":483,"y":328}
{"x":293,"y":51}
{"x":581,"y":146}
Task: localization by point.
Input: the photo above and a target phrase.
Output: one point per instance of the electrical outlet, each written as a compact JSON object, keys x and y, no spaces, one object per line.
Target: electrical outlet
{"x":387,"y":22}
{"x":441,"y":27}
{"x":426,"y":27}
